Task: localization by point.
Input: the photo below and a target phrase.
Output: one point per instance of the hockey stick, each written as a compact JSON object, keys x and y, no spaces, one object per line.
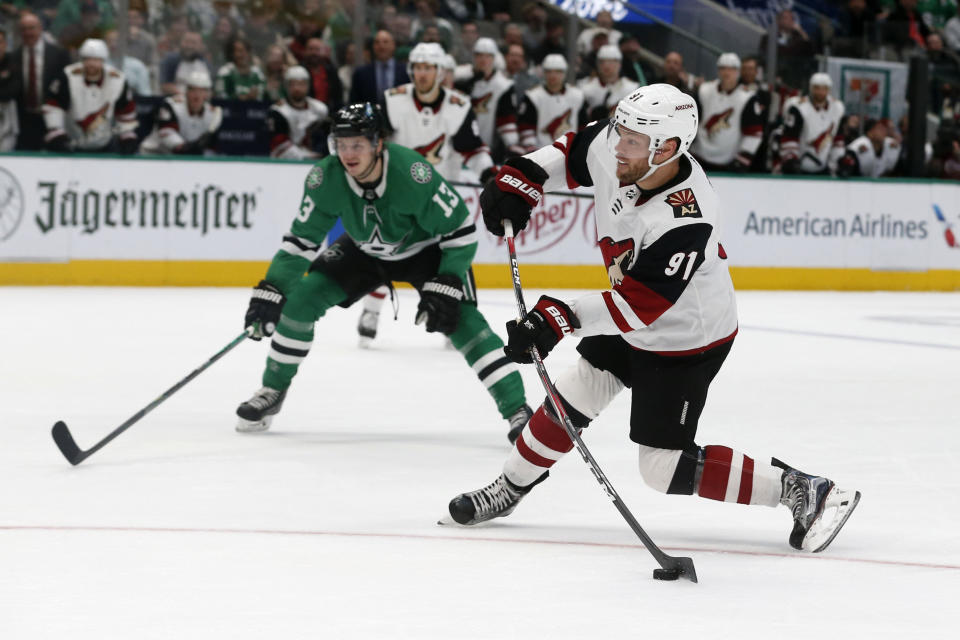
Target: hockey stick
{"x":672,"y":568}
{"x":74,"y":455}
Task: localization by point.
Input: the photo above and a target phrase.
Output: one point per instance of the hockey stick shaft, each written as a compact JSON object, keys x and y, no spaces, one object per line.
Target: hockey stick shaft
{"x":73,"y":453}
{"x":683,"y":565}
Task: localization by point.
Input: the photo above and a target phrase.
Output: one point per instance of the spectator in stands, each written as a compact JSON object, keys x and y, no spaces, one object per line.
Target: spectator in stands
{"x":463,"y":47}
{"x":674,"y":73}
{"x":856,"y":30}
{"x":426,"y":15}
{"x":602,"y":92}
{"x":795,"y":50}
{"x":431,"y":32}
{"x":169,"y":42}
{"x":176,"y":66}
{"x":633,"y":66}
{"x":10,"y":91}
{"x":39,"y":61}
{"x":324,"y":83}
{"x":295,"y":123}
{"x":460,"y":10}
{"x":905,"y":29}
{"x":227,"y":9}
{"x":310,"y":24}
{"x":89,"y":106}
{"x":96,"y":15}
{"x":186,"y":125}
{"x":260,"y":32}
{"x":240,"y":78}
{"x":512,"y":34}
{"x":517,"y":70}
{"x":275,"y":64}
{"x":140,"y":43}
{"x":534,"y":25}
{"x":91,"y":24}
{"x":497,"y":10}
{"x":605,"y":26}
{"x":951,"y":31}
{"x":371,"y":80}
{"x":347,"y":57}
{"x":554,"y":42}
{"x":217,"y":40}
{"x":137,"y":74}
{"x":944,"y":71}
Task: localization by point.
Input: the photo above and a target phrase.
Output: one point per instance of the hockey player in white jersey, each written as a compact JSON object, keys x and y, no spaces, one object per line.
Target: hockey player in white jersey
{"x":663,"y":329}
{"x":872,"y":155}
{"x":439,"y":124}
{"x":731,"y":120}
{"x":90,"y":108}
{"x":811,"y":141}
{"x":186,"y":124}
{"x":551,"y":109}
{"x":603,"y":92}
{"x":295,"y":122}
{"x":491,"y":97}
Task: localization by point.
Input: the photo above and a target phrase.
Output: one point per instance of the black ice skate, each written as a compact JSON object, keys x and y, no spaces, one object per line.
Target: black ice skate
{"x":819,"y":508}
{"x":518,"y":421}
{"x":257,"y":413}
{"x":367,"y":327}
{"x":497,"y":499}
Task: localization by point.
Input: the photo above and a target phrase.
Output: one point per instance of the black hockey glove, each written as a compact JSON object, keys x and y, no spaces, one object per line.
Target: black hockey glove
{"x":127,"y":145}
{"x":488,"y":174}
{"x":517,"y":188}
{"x":543,"y":328}
{"x":263,"y":314}
{"x":439,"y":305}
{"x":791,"y":165}
{"x":59,"y":144}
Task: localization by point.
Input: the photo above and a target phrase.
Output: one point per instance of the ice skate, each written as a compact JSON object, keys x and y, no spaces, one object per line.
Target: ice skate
{"x":497,"y":499}
{"x":819,"y":508}
{"x":257,"y":413}
{"x":518,"y":421}
{"x":367,"y":327}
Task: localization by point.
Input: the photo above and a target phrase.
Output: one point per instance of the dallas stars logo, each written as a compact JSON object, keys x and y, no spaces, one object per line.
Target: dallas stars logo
{"x":421,"y":172}
{"x":376,"y":245}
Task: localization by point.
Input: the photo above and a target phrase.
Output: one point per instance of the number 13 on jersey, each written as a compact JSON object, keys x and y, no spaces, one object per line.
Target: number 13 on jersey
{"x":451,"y":201}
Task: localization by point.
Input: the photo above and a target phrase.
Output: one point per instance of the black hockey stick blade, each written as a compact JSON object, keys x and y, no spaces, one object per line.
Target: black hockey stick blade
{"x":682,"y":568}
{"x":65,"y":442}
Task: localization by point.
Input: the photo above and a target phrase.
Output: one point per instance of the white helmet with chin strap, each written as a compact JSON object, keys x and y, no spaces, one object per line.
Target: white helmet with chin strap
{"x":427,"y":53}
{"x":660,"y":111}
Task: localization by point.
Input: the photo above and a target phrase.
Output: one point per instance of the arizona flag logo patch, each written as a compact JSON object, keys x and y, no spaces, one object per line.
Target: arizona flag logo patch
{"x":684,"y":204}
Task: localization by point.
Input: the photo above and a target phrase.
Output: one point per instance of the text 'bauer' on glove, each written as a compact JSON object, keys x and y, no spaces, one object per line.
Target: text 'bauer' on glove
{"x":548,"y":322}
{"x":439,"y":305}
{"x":517,"y":188}
{"x":263,"y":314}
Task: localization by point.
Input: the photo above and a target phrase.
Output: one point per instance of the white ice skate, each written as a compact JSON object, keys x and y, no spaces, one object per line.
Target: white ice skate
{"x":367,"y":327}
{"x":819,"y":507}
{"x":257,"y":413}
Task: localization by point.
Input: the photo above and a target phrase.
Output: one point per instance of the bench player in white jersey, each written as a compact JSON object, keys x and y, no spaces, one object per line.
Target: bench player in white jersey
{"x":439,"y":124}
{"x":603,"y":92}
{"x":811,"y":141}
{"x":731,"y":120}
{"x":491,"y":97}
{"x":90,"y":107}
{"x":663,"y":329}
{"x":294,"y":122}
{"x":186,"y":124}
{"x":872,"y":155}
{"x":552,"y":108}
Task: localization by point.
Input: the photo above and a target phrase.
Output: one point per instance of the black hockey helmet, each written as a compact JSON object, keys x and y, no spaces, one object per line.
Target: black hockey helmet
{"x":361,"y":119}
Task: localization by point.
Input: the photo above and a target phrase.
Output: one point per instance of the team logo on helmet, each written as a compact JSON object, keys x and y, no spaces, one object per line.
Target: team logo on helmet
{"x":421,"y":172}
{"x":684,"y":204}
{"x":315,"y":177}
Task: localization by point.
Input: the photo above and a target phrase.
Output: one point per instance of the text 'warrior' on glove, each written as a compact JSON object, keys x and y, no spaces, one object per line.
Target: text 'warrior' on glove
{"x":545,"y":325}
{"x":263,"y":314}
{"x":512,"y":194}
{"x":440,"y":304}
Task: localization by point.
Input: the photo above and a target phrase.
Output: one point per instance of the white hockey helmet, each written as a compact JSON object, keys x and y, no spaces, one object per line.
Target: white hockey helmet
{"x":660,"y":111}
{"x":609,"y":52}
{"x":728,"y":59}
{"x":554,"y":62}
{"x":821,"y":79}
{"x":486,"y":45}
{"x":449,"y":63}
{"x":198,"y":80}
{"x":93,"y":48}
{"x":296,"y":72}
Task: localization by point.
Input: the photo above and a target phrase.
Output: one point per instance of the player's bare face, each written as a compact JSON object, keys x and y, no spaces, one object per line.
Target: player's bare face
{"x":608,"y":70}
{"x":632,"y":153}
{"x":196,"y":96}
{"x":483,"y":63}
{"x":728,"y":77}
{"x":818,"y":94}
{"x":297,"y":90}
{"x":92,"y":68}
{"x":554,"y":80}
{"x":358,"y":156}
{"x":424,"y":77}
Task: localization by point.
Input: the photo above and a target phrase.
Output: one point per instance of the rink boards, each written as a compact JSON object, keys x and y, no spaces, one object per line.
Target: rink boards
{"x":142,"y":221}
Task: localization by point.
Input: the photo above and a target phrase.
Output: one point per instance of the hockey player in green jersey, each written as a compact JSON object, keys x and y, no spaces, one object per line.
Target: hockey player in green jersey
{"x":403,"y":222}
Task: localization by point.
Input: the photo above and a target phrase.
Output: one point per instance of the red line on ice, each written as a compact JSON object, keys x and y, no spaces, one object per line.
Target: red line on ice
{"x":415,"y":536}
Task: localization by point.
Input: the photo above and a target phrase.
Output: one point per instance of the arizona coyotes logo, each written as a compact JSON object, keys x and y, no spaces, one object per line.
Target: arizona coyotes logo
{"x":482,"y":104}
{"x":718,"y":122}
{"x":431,"y":151}
{"x":821,"y":141}
{"x":684,"y":204}
{"x":558,"y":126}
{"x":616,"y":255}
{"x":94,"y":121}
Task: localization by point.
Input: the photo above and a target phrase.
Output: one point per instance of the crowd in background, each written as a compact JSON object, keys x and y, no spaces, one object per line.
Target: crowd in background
{"x":247,"y":48}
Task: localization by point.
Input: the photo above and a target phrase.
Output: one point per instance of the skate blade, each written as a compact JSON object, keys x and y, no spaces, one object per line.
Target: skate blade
{"x":838,"y":508}
{"x":253,"y":426}
{"x":364,"y":342}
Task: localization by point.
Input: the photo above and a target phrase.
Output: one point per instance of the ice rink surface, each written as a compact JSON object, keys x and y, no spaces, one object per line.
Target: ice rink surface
{"x":325,"y":527}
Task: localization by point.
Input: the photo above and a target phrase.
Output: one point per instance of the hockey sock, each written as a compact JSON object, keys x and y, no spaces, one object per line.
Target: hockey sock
{"x":730,"y":476}
{"x":541,"y":443}
{"x":373,"y":301}
{"x":483,"y":351}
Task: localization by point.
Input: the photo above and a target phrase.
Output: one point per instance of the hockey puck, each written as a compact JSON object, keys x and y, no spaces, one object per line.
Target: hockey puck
{"x":666,"y":574}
